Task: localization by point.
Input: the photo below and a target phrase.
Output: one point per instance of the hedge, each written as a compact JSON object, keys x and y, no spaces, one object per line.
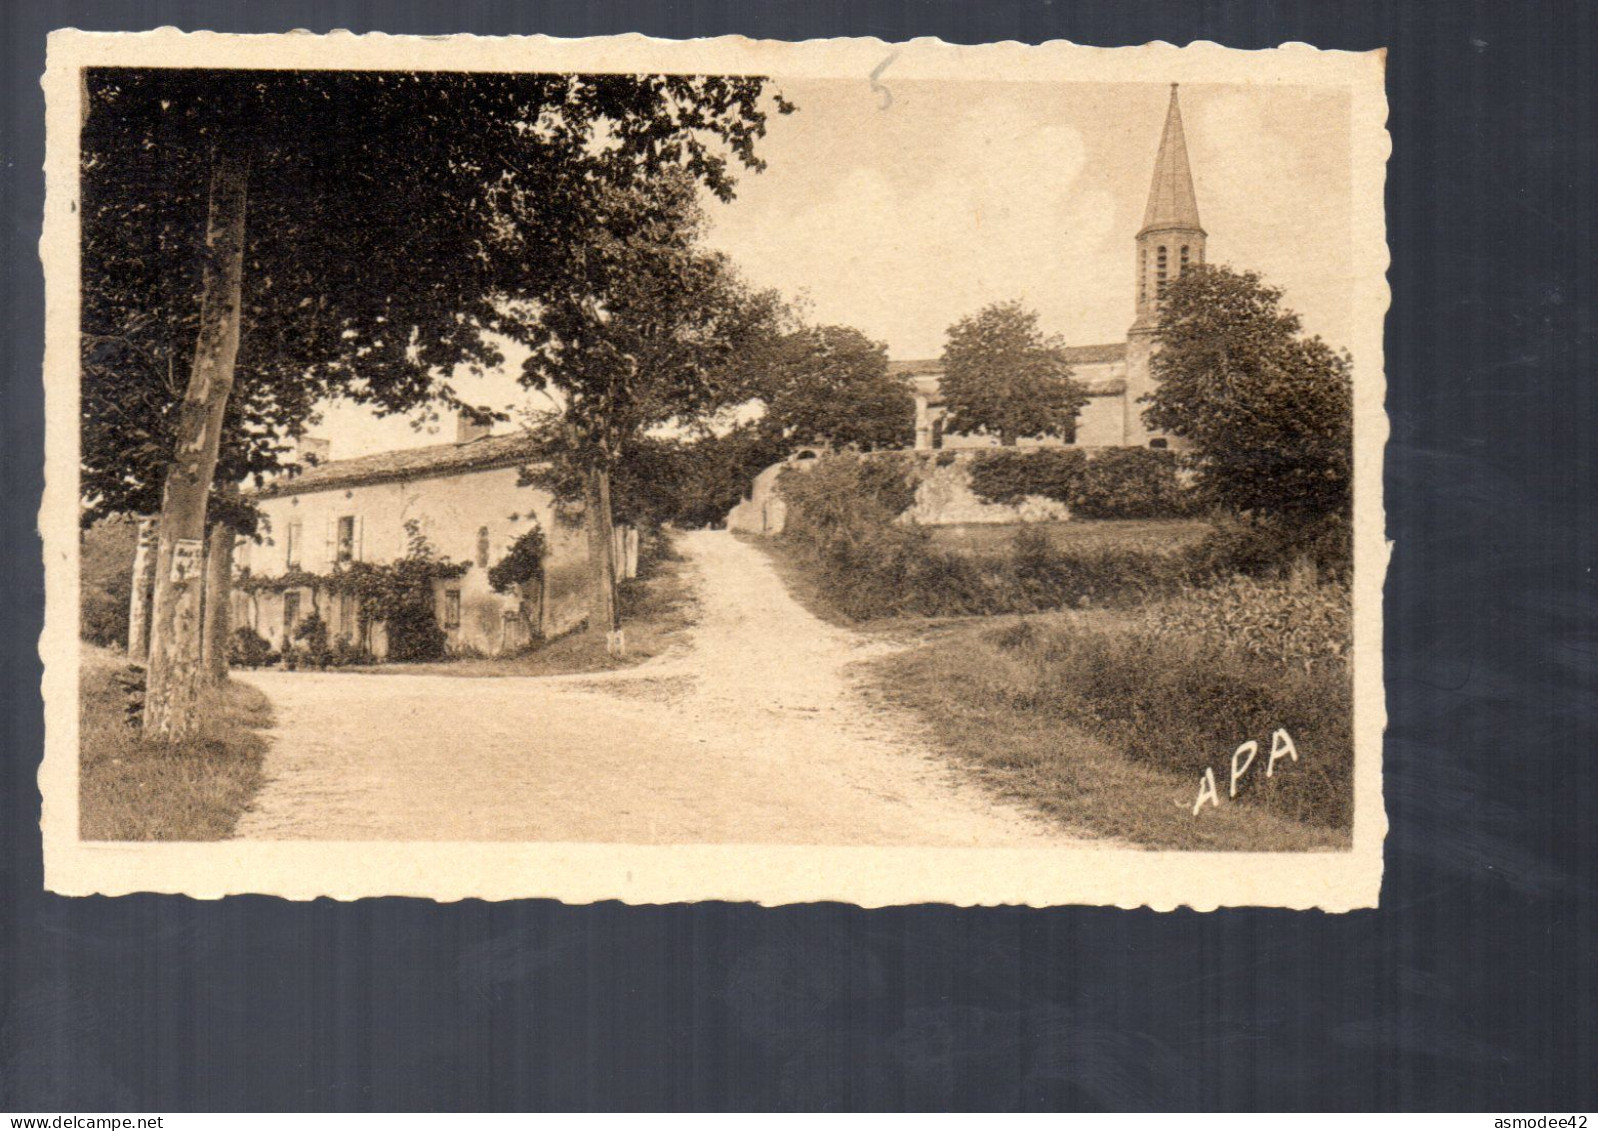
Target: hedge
{"x":1132,"y":483}
{"x":1112,"y":483}
{"x":1008,"y":476}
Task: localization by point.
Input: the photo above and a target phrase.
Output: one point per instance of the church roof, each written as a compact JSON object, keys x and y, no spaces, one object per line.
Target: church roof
{"x":1172,"y":203}
{"x":924,"y":372}
{"x":1076,"y":355}
{"x":410,"y":463}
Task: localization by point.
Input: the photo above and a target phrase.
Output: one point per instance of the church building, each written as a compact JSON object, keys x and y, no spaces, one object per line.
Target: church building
{"x":1116,"y":375}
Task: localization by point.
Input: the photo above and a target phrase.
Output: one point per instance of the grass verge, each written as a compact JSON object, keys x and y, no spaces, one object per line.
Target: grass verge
{"x":133,"y":789}
{"x":1107,"y":718}
{"x":1110,"y":731}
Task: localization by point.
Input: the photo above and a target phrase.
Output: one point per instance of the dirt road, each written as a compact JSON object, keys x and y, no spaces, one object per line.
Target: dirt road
{"x":754,"y":734}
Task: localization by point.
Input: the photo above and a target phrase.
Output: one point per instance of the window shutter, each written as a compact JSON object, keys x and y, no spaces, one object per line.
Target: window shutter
{"x":360,"y":538}
{"x":332,"y":544}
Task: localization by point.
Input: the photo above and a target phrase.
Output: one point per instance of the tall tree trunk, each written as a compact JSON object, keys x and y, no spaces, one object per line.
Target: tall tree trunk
{"x":175,"y":675}
{"x":143,"y":582}
{"x":604,"y":621}
{"x":218,"y":623}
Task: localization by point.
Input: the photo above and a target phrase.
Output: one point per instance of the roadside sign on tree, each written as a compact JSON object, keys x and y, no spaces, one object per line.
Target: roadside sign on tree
{"x":187,"y":558}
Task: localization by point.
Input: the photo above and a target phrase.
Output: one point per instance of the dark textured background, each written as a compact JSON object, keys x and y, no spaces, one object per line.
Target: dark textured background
{"x":1471,"y":987}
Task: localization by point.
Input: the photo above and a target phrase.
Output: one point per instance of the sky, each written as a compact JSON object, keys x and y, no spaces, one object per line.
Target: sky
{"x":900,"y":220}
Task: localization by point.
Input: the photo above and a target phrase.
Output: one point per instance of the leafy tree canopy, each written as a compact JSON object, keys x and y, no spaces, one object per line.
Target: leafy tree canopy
{"x":830,"y":385}
{"x":1003,"y":377}
{"x":638,"y":326}
{"x":388,"y":214}
{"x":1268,"y":411}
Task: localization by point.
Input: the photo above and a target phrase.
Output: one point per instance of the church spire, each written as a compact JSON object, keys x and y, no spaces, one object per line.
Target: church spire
{"x":1171,"y":200}
{"x":1171,"y":239}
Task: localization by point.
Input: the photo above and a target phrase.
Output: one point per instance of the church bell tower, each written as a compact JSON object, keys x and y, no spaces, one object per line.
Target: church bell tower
{"x":1170,"y":241}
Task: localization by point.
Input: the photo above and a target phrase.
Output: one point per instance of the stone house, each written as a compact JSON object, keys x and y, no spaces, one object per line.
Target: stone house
{"x":1116,"y":375}
{"x":463,"y":497}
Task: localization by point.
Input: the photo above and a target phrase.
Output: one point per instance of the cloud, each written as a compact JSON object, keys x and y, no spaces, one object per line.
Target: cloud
{"x":1272,"y":176}
{"x":901,"y":250}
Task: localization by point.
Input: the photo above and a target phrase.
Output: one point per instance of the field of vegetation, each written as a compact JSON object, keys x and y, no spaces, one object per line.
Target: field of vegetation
{"x":1103,"y":666}
{"x":1147,"y":535}
{"x":130,"y":788}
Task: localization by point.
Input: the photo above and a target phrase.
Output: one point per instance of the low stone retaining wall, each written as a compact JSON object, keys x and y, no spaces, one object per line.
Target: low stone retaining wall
{"x":945,"y":498}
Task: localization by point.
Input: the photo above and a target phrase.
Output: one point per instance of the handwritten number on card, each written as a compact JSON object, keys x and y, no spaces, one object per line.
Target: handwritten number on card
{"x":887,"y":95}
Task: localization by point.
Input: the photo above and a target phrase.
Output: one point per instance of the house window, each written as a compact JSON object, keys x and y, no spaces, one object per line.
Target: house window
{"x":1142,"y":275}
{"x":482,"y":547}
{"x":1159,"y":273}
{"x":296,"y":541}
{"x":346,"y":539}
{"x":1184,"y":260}
{"x":291,"y":612}
{"x":1159,"y":443}
{"x":452,"y":608}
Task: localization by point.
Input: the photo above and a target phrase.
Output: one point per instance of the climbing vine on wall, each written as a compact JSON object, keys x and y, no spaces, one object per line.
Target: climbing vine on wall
{"x":523,"y":563}
{"x":400,"y":595}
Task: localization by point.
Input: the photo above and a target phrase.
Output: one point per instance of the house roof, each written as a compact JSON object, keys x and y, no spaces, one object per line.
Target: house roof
{"x":1094,"y":355}
{"x":931,"y":366}
{"x":481,"y":454}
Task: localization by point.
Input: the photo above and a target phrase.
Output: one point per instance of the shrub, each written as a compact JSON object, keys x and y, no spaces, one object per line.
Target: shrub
{"x":249,"y":648}
{"x":1130,"y":483}
{"x":655,"y":549}
{"x":105,"y":581}
{"x":841,"y":517}
{"x":347,"y":651}
{"x":103,"y":617}
{"x":400,"y":596}
{"x":1113,"y":483}
{"x":838,"y":491}
{"x":1295,"y":622}
{"x":1054,"y":578}
{"x":1273,"y":548}
{"x":312,"y":631}
{"x":891,"y":480}
{"x":1182,"y":703}
{"x":870,"y":566}
{"x":523,"y":563}
{"x":1007,"y":477}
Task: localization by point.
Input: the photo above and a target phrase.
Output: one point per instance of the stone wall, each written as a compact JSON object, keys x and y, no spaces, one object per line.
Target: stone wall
{"x":763,"y":510}
{"x":945,"y":498}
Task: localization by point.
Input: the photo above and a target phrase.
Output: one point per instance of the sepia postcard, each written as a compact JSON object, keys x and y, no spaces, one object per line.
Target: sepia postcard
{"x":622,"y":469}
